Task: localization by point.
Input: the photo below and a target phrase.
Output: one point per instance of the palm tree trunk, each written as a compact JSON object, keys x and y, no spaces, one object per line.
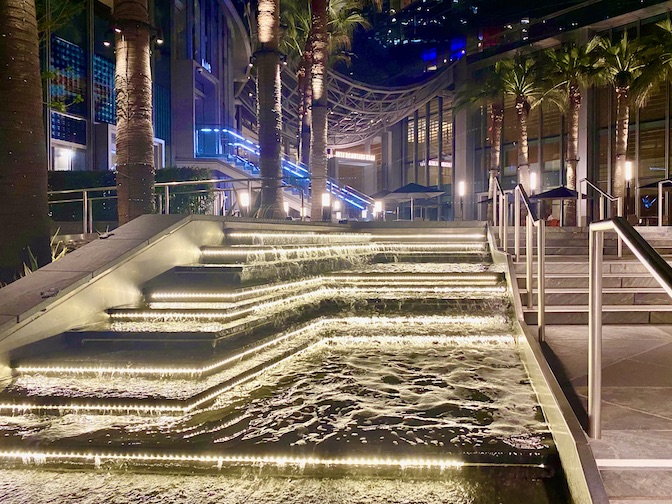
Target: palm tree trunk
{"x":305,"y":98}
{"x":23,"y":158}
{"x":496,"y":118}
{"x":269,"y":111}
{"x":305,"y":117}
{"x":135,"y":131}
{"x":523,"y":111}
{"x":318,"y":150}
{"x":572,"y":151}
{"x":622,"y":124}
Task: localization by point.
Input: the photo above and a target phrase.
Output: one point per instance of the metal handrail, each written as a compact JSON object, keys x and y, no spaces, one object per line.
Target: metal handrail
{"x":500,"y":217}
{"x":87,"y":214}
{"x":652,"y":261}
{"x":603,"y":197}
{"x":532,"y":222}
{"x":603,"y":212}
{"x":660,"y":200}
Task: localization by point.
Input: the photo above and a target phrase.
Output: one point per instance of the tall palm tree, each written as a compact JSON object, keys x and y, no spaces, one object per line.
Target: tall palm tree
{"x":344,"y":17}
{"x":318,"y":151}
{"x":135,"y":131}
{"x":629,"y":68}
{"x":488,"y":90}
{"x":269,"y":105}
{"x":523,"y":81}
{"x":23,"y":158}
{"x":571,"y":68}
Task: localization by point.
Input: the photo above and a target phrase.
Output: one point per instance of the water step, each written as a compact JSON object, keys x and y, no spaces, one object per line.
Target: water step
{"x":292,"y":238}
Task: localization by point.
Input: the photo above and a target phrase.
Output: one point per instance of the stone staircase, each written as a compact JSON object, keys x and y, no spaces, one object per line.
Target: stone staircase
{"x":630,"y":294}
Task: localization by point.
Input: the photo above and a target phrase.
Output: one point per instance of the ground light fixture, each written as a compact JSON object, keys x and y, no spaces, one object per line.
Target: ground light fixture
{"x":461,"y":191}
{"x":533,"y":182}
{"x":285,"y":206}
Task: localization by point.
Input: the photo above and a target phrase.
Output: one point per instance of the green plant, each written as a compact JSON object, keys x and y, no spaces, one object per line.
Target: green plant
{"x":58,"y":250}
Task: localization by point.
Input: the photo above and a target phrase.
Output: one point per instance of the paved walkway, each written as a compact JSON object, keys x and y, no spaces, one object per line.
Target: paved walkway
{"x":635,"y":452}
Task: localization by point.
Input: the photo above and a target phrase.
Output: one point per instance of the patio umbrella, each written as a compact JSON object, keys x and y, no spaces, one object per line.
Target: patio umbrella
{"x":557,"y":193}
{"x":379,"y":194}
{"x":654,"y":185}
{"x":412,"y":192}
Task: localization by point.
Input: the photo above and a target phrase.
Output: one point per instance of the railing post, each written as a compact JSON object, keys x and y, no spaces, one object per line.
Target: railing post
{"x":160,"y":203}
{"x":166,"y":191}
{"x":660,"y":204}
{"x":541,"y":279}
{"x":619,"y":243}
{"x":504,"y":222}
{"x":603,"y":213}
{"x":495,"y":209}
{"x":90,"y":228}
{"x":85,"y":211}
{"x":528,"y":259}
{"x":516,"y":224}
{"x":596,"y":242}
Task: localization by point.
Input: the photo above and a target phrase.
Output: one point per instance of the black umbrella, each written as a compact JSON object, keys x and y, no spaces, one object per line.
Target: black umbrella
{"x":379,"y":194}
{"x":557,"y":193}
{"x":654,"y":185}
{"x":412,"y":192}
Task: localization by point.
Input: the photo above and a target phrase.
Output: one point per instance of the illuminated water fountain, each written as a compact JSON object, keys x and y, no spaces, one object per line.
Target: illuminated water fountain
{"x":297,"y":353}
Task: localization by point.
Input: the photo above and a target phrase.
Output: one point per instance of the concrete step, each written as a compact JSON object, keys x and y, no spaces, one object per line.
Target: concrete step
{"x":580,"y":280}
{"x":611,"y":314}
{"x":610,"y":296}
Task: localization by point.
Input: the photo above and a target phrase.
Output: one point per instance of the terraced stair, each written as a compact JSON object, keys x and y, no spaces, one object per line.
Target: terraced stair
{"x":630,"y":294}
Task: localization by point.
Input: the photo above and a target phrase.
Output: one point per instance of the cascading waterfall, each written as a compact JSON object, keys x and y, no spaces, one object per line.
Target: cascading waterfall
{"x":344,"y":354}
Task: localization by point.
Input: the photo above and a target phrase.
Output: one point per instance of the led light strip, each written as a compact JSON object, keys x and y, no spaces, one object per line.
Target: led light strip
{"x":298,"y":235}
{"x":40,"y":457}
{"x":194,"y":371}
{"x":226,"y":252}
{"x":438,"y":236}
{"x":141,"y":408}
{"x":166,"y":295}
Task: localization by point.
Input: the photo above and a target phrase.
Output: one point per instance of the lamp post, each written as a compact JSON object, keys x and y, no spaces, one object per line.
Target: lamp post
{"x":337,"y":208}
{"x":462,"y":190}
{"x":245,"y":202}
{"x":378,"y":209}
{"x":628,"y":178}
{"x":326,"y":206}
{"x":533,"y":186}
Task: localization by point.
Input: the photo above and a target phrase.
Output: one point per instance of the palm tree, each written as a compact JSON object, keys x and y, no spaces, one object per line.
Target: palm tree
{"x":489,"y":90}
{"x":521,"y":79}
{"x":570,"y":68}
{"x":135,"y":132}
{"x":629,"y":68}
{"x":24,"y":224}
{"x":344,"y":16}
{"x":318,"y":142}
{"x":269,"y":105}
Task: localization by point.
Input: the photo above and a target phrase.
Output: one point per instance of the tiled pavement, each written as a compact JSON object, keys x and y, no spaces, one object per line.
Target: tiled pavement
{"x":636,"y":408}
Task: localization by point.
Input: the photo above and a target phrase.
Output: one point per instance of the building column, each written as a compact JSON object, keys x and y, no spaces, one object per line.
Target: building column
{"x":386,"y":158}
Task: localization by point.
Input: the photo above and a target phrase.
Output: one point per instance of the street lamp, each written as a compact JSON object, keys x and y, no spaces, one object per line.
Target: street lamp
{"x":628,"y":178}
{"x":378,"y":209}
{"x":462,"y":191}
{"x":245,"y":201}
{"x":326,"y":204}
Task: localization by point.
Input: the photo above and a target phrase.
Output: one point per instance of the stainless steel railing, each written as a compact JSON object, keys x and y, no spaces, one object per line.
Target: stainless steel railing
{"x":499,"y":212}
{"x":604,"y":197}
{"x":531,"y":222}
{"x":660,"y":200}
{"x":248,"y":184}
{"x":654,"y":263}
